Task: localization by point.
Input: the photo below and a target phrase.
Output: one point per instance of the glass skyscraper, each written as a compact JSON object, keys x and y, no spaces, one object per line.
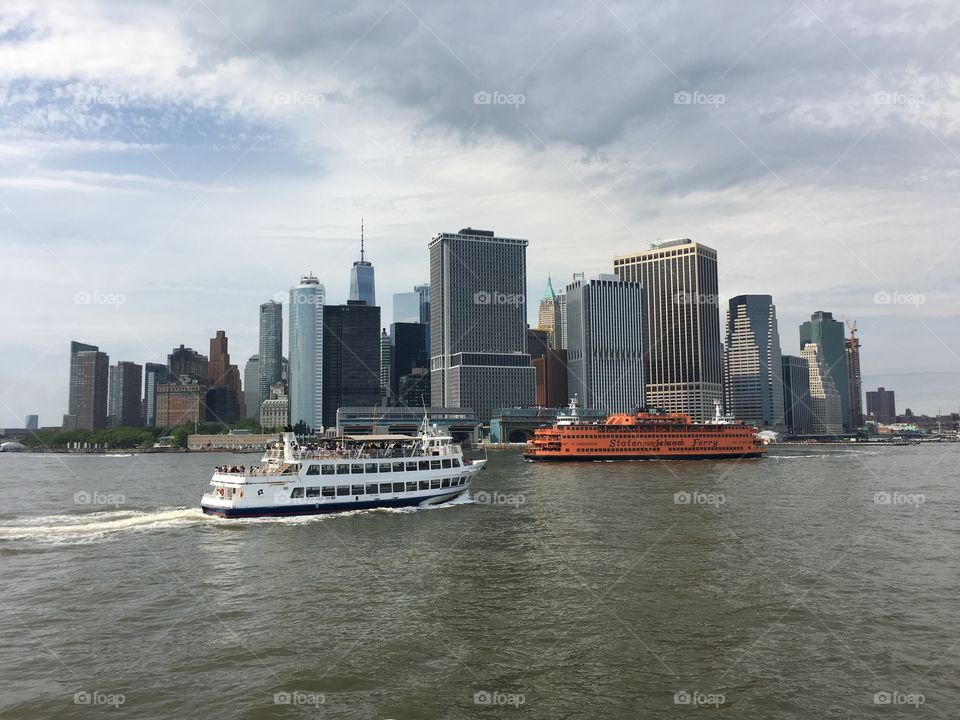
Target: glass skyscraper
{"x":753,"y":384}
{"x":306,"y":352}
{"x":828,"y":334}
{"x":361,"y":278}
{"x":271,"y":349}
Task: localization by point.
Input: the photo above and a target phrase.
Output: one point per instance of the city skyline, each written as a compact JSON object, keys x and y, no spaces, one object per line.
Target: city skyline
{"x":281,"y":299}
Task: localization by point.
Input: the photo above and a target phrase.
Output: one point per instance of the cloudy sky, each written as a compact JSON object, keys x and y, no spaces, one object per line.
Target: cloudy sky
{"x":166,"y":167}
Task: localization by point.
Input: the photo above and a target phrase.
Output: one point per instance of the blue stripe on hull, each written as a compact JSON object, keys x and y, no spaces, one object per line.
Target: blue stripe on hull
{"x":324,"y":509}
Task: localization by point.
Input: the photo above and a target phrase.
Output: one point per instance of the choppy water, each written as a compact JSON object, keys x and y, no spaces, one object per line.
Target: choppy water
{"x":798,"y":586}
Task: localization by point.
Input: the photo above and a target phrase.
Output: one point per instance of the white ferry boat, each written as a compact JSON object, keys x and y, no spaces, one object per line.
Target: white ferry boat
{"x":351,"y":472}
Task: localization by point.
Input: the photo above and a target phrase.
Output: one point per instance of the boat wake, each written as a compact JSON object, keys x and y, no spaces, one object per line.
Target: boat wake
{"x":95,"y":526}
{"x":92,"y":527}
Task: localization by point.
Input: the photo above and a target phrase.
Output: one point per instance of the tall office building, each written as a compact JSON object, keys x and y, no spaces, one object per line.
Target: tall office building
{"x":187,"y":362}
{"x":478,"y":322}
{"x":605,"y":355}
{"x":796,"y":394}
{"x":407,"y":352}
{"x":306,"y":353}
{"x":226,"y":401}
{"x":414,"y":307}
{"x":271,"y":349}
{"x":89,"y":379}
{"x":251,"y":387}
{"x":32,"y":422}
{"x":828,"y":334}
{"x":682,"y":331}
{"x":155,"y":374}
{"x":361,"y":278}
{"x":74,"y":393}
{"x":561,"y":326}
{"x":548,"y":315}
{"x":124,"y":403}
{"x":882,"y":405}
{"x":753,"y":384}
{"x":826,"y":408}
{"x":851,"y":347}
{"x":386,"y":365}
{"x":351,"y":358}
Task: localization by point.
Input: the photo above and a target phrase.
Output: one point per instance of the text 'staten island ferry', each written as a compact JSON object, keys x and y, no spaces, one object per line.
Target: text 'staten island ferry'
{"x":642,"y":436}
{"x":354,"y":472}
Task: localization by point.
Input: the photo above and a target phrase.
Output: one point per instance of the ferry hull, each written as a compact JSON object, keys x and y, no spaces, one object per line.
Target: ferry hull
{"x":327,"y":508}
{"x":535,"y":457}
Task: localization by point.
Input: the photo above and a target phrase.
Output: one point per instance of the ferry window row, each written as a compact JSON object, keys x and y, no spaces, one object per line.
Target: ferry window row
{"x":360,"y":468}
{"x":329,"y":491}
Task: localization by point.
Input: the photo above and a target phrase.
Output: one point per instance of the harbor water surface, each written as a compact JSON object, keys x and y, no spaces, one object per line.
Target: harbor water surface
{"x":817,"y":582}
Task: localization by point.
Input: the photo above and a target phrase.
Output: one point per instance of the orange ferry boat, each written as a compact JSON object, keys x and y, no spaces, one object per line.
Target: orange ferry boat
{"x":644,"y":435}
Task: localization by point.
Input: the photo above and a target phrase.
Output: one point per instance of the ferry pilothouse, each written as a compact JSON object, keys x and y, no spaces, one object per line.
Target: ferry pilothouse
{"x":652,"y":435}
{"x":351,"y":472}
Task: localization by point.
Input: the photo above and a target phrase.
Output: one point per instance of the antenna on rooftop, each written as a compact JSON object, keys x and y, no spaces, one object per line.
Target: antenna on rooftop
{"x":361,"y":239}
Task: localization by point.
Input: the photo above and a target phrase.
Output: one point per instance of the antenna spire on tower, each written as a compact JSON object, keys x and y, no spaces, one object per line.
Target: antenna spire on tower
{"x":361,"y":239}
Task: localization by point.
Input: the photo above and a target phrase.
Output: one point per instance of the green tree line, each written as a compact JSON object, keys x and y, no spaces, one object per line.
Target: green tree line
{"x":125,"y":438}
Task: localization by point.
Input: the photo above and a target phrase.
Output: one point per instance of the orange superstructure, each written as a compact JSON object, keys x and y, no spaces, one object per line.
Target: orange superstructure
{"x":644,"y":435}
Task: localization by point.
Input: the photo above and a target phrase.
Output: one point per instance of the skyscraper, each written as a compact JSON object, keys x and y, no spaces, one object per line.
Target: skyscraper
{"x":796,"y":394}
{"x":76,"y":382}
{"x":89,"y":378}
{"x":125,"y":381}
{"x":478,"y":322}
{"x":306,"y":353}
{"x":605,"y":356}
{"x":155,"y":374}
{"x":753,"y":384}
{"x":361,"y":278}
{"x":882,"y":405}
{"x":825,"y":401}
{"x":851,"y":347}
{"x":549,"y":316}
{"x":224,"y":404}
{"x":829,"y":335}
{"x":407,"y":352}
{"x":271,"y":350}
{"x":251,"y":387}
{"x":682,"y":329}
{"x":351,"y":358}
{"x":386,"y":365}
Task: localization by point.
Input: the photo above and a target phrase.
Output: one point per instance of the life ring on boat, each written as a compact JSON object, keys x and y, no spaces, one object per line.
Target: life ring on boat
{"x":220,"y":492}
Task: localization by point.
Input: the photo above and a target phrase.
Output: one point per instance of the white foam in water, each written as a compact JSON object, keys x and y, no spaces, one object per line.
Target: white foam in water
{"x":96,"y":525}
